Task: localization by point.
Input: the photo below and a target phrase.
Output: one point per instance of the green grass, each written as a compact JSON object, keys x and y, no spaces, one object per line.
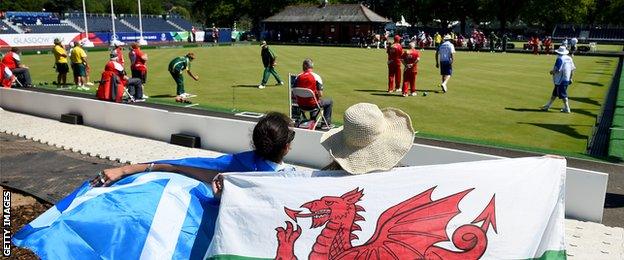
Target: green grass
{"x":493,"y":97}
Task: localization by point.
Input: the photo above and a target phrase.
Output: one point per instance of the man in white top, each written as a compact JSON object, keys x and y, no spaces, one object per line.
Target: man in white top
{"x":445,"y":55}
{"x":573,"y":43}
{"x":562,"y":77}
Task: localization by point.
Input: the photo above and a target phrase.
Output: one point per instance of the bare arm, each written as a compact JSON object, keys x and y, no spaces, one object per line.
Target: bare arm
{"x":114,"y":174}
{"x":196,"y":78}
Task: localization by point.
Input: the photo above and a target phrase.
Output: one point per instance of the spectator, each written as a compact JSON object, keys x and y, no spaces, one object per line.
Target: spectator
{"x":12,"y":60}
{"x":394,"y":52}
{"x":547,"y":43}
{"x":371,"y":139}
{"x":445,"y":56}
{"x":573,"y":43}
{"x":493,"y":39}
{"x":193,"y":32}
{"x":176,"y":67}
{"x":6,"y":76}
{"x":310,"y":80}
{"x":562,"y":72}
{"x":215,"y":34}
{"x":79,"y":65}
{"x":134,"y":85}
{"x":410,"y":61}
{"x":505,"y":40}
{"x":60,"y":58}
{"x":269,"y":62}
{"x":437,"y":39}
{"x":118,"y":50}
{"x":271,"y":137}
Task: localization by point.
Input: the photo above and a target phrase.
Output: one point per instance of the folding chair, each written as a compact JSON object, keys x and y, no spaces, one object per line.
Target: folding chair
{"x":308,"y":93}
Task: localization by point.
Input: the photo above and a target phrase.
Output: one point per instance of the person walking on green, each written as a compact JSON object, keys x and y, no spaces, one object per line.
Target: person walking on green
{"x":176,"y":67}
{"x":268,"y":60}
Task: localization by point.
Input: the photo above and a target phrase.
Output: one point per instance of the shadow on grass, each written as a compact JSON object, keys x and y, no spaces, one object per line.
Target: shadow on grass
{"x":604,"y":61}
{"x":163,"y":96}
{"x":613,"y":200}
{"x":582,"y":112}
{"x":574,"y":110}
{"x":590,"y":83}
{"x":245,"y":86}
{"x":560,"y":128}
{"x":524,"y":109}
{"x":371,"y":90}
{"x":585,"y":100}
{"x":397,"y":94}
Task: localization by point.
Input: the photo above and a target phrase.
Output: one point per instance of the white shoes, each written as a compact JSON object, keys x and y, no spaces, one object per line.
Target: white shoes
{"x":89,"y":84}
{"x":145,"y":96}
{"x":261,"y":86}
{"x":563,"y":110}
{"x":187,"y":95}
{"x":414,"y":94}
{"x":443,"y":87}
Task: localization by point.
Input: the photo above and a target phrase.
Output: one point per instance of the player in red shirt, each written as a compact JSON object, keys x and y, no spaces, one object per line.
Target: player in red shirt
{"x":138,"y":60}
{"x":310,"y":80}
{"x":547,"y":44}
{"x":394,"y":64}
{"x":534,"y":42}
{"x":410,"y":60}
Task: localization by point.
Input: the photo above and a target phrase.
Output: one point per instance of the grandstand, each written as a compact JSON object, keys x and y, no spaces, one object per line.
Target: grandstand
{"x":590,"y":33}
{"x":46,"y":22}
{"x":152,"y":23}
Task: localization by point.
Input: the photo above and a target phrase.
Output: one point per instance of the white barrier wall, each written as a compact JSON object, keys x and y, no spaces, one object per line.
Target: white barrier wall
{"x":35,"y":39}
{"x":585,"y":190}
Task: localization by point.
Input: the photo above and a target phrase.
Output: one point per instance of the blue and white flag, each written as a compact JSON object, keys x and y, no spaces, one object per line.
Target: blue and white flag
{"x":156,"y":215}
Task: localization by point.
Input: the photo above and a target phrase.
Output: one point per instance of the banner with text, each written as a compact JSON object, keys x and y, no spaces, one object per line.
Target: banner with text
{"x":502,"y":209}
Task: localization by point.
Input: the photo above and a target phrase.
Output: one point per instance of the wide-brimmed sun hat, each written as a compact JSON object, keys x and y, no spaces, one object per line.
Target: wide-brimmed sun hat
{"x":447,"y":37}
{"x":371,"y":139}
{"x":562,"y":50}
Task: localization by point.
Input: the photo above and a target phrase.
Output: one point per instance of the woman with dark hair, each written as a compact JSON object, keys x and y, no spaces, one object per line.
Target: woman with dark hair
{"x":150,"y":210}
{"x":271,"y":141}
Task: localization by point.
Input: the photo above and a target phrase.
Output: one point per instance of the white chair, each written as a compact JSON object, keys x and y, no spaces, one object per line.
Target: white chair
{"x":308,"y":93}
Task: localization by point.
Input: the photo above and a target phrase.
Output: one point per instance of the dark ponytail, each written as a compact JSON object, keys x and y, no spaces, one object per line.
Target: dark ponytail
{"x":271,"y":135}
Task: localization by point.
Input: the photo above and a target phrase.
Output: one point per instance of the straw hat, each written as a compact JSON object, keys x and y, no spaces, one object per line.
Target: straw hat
{"x":371,"y":139}
{"x":562,"y":50}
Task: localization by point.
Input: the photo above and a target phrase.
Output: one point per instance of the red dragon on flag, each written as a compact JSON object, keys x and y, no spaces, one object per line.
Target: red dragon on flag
{"x":408,"y":230}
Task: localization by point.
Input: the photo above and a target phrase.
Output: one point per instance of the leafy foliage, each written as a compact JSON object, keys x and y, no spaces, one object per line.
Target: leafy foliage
{"x":540,"y":13}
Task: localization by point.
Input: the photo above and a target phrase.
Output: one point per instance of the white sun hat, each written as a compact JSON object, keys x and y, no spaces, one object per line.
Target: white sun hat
{"x":562,"y":50}
{"x":371,"y":139}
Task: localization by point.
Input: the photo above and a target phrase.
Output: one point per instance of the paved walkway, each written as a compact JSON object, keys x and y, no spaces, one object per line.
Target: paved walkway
{"x":85,"y":150}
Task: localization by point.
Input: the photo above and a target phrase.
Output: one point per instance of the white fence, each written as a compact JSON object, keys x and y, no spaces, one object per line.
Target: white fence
{"x":585,"y":190}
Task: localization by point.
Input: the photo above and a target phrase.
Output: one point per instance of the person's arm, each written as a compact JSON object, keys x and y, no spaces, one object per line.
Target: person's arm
{"x":144,"y":57}
{"x":109,"y":176}
{"x":196,"y":78}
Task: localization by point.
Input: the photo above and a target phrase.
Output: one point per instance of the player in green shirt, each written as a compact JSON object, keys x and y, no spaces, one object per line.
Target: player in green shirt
{"x":176,"y":67}
{"x":268,"y":60}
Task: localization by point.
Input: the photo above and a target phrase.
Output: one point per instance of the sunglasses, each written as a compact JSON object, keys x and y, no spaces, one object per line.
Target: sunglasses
{"x":291,"y":136}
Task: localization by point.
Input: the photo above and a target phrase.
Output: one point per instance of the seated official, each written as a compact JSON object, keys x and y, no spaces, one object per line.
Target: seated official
{"x":13,"y":62}
{"x":114,"y":80}
{"x":310,"y":80}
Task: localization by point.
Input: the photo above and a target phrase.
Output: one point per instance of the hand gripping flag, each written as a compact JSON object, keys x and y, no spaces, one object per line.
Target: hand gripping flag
{"x":154,"y":215}
{"x":499,"y":209}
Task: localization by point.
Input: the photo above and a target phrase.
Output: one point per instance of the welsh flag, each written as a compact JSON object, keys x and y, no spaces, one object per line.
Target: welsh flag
{"x":501,"y":209}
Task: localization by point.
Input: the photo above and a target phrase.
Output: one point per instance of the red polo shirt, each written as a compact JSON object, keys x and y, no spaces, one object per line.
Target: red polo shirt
{"x":410,"y":57}
{"x":138,"y":63}
{"x":11,"y":60}
{"x":309,"y":80}
{"x":394,"y":53}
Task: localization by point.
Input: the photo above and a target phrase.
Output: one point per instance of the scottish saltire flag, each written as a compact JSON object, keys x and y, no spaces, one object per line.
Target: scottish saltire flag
{"x":501,"y":209}
{"x":155,"y":215}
